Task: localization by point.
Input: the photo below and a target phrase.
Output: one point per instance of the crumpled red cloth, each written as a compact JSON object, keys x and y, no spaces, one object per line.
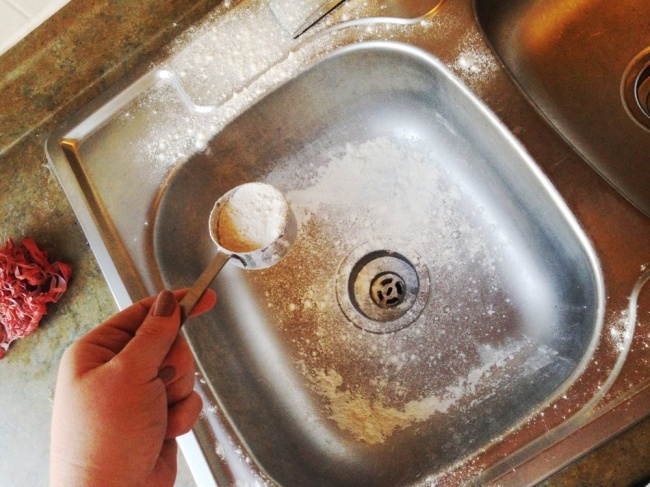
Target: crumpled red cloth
{"x":28,"y":282}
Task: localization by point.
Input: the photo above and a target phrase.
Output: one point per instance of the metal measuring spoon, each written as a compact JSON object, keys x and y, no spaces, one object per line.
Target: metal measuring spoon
{"x":253,"y":224}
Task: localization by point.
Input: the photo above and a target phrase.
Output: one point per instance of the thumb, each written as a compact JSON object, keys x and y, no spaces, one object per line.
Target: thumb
{"x":155,"y":336}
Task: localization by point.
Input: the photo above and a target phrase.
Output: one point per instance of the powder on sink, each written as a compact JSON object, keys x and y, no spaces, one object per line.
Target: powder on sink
{"x":252,"y":218}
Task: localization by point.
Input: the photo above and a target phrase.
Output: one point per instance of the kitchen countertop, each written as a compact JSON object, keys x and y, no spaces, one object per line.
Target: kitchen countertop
{"x":75,"y":55}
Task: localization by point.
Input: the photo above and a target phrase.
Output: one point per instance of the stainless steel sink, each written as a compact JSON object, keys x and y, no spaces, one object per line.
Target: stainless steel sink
{"x":586,"y":66}
{"x":328,"y":394}
{"x":442,"y":316}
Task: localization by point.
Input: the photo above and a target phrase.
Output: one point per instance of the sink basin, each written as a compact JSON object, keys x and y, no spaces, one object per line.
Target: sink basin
{"x":402,"y":183}
{"x":586,"y":66}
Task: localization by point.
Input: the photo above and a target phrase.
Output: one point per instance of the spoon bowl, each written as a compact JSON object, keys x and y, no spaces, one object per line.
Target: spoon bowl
{"x":252,"y":223}
{"x":255,"y":244}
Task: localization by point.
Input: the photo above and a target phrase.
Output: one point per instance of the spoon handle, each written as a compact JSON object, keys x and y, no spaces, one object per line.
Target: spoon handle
{"x":198,"y":288}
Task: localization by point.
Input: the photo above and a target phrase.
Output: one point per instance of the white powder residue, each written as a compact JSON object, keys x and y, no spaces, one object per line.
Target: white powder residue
{"x":390,"y":186}
{"x":362,"y":171}
{"x":252,"y":218}
{"x":393,"y":193}
{"x":230,"y":51}
{"x":475,"y":61}
{"x":619,"y":331}
{"x":370,"y":176}
{"x":223,"y":66}
{"x":371,"y":421}
{"x":220,"y":451}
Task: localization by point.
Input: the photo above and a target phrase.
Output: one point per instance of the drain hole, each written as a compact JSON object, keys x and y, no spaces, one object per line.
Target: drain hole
{"x":388,"y":290}
{"x":382,"y":290}
{"x":636,"y":88}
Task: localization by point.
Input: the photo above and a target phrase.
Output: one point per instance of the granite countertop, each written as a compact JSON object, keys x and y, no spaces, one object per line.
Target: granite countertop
{"x":75,"y":55}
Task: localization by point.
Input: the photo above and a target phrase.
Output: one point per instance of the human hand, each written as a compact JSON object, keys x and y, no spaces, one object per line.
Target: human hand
{"x":124,"y":393}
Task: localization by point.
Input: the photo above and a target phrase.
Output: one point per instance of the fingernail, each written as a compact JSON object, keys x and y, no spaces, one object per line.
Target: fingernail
{"x":165,"y":304}
{"x":166,"y":373}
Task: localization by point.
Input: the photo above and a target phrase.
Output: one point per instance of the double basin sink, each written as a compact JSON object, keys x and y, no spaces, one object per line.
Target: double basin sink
{"x":463,"y":293}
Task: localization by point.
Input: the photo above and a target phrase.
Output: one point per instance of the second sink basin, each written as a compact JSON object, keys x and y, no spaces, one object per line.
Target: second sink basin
{"x":586,"y":66}
{"x":439,"y":290}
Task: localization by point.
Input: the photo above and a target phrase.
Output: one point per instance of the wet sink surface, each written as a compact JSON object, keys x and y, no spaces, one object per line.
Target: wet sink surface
{"x":585,"y":65}
{"x":394,"y":169}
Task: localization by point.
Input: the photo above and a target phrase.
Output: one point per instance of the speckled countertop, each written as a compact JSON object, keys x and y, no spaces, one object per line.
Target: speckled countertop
{"x":70,"y":59}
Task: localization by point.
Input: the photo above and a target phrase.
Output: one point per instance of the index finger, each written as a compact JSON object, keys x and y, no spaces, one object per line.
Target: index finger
{"x":120,"y":328}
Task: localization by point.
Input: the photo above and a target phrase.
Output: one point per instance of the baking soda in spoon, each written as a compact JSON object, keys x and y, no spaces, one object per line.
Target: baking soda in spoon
{"x":252,"y":223}
{"x":252,"y":218}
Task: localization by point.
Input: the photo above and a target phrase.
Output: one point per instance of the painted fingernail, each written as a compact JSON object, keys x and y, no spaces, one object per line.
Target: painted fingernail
{"x":165,"y":304}
{"x":166,"y":373}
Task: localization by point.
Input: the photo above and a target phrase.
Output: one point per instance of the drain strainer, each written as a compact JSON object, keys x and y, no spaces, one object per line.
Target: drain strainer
{"x":388,"y":290}
{"x":382,"y":290}
{"x":635,"y":88}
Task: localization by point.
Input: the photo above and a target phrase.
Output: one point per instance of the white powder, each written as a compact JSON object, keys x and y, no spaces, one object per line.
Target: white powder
{"x":390,"y":186}
{"x":221,"y":67}
{"x":233,"y":58}
{"x":620,"y":331}
{"x":252,"y":218}
{"x":372,"y":421}
{"x":475,"y":63}
{"x":396,"y":193}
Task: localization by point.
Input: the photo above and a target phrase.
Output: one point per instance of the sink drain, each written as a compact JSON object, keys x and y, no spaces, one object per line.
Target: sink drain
{"x":636,"y":88}
{"x":388,"y":290}
{"x":382,"y":290}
